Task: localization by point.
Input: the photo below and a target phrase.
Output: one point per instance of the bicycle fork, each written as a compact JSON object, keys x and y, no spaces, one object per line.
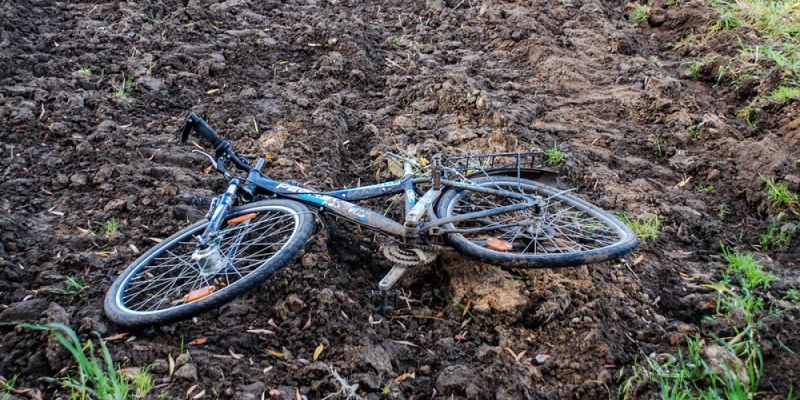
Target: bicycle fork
{"x":207,"y":255}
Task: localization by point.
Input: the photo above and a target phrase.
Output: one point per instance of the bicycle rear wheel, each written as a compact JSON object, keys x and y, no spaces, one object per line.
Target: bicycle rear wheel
{"x":567,"y":231}
{"x":170,"y":282}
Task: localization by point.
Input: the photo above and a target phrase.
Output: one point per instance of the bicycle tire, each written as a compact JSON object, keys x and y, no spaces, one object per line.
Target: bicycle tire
{"x":624,"y":242}
{"x":120,"y":313}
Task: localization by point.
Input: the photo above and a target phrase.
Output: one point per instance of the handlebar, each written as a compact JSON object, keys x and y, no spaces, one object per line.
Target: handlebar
{"x":222,"y":147}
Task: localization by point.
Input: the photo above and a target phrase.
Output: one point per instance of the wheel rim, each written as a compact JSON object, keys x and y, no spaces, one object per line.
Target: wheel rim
{"x":164,"y":279}
{"x":564,"y":227}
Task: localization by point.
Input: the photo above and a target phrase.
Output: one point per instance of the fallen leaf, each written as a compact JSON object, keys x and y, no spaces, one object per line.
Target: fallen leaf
{"x":404,"y":376}
{"x":297,"y":395}
{"x":199,"y":395}
{"x":638,"y":259}
{"x":157,"y":240}
{"x":308,"y":323}
{"x":198,"y":341}
{"x":276,"y":353}
{"x":118,"y":336}
{"x":171,"y":363}
{"x":318,"y":351}
{"x":190,"y":390}
{"x":212,"y":91}
{"x":403,"y":342}
{"x":134,"y":249}
{"x":466,"y":308}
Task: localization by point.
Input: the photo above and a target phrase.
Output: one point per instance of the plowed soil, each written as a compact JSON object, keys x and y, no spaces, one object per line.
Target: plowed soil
{"x":93,"y":93}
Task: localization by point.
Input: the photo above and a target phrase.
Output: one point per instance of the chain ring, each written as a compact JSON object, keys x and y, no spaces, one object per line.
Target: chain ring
{"x":406,"y":255}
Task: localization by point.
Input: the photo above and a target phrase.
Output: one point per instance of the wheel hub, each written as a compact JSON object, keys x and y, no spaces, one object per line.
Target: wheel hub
{"x":210,"y":260}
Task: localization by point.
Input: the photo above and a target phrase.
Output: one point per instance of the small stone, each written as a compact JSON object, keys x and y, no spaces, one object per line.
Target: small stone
{"x":294,"y":303}
{"x":116,"y":204}
{"x":541,"y":358}
{"x":402,"y":122}
{"x":310,"y":260}
{"x":78,"y":179}
{"x":159,"y":366}
{"x":183,"y":359}
{"x":187,"y":372}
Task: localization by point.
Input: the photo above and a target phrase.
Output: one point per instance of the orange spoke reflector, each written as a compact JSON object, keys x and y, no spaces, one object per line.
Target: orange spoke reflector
{"x":499,"y":245}
{"x":241,"y":218}
{"x":199,"y":293}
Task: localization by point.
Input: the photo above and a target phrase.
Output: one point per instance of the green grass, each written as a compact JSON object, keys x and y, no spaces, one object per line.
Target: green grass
{"x":768,"y":41}
{"x":640,"y":13}
{"x":554,"y":155}
{"x":73,"y":286}
{"x":97,"y":379}
{"x":142,"y":383}
{"x":723,"y":211}
{"x":110,"y":227}
{"x":7,"y":386}
{"x":85,"y":71}
{"x":776,"y":236}
{"x":704,"y":189}
{"x":779,"y":193}
{"x":748,"y":115}
{"x":644,"y":228}
{"x":726,"y":22}
{"x":658,"y":146}
{"x":121,"y":87}
{"x":793,"y":295}
{"x":752,"y":274}
{"x":783,"y":93}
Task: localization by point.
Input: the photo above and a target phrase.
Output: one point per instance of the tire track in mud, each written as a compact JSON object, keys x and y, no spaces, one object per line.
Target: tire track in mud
{"x":325,"y":88}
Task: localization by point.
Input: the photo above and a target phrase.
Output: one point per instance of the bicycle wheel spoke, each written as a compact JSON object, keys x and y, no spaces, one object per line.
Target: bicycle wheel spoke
{"x":559,"y":228}
{"x":173,"y":272}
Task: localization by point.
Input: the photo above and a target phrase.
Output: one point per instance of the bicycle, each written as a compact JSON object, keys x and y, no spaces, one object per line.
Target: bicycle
{"x":483,"y":206}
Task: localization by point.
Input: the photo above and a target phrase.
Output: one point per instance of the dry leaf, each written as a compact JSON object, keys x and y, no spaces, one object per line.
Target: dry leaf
{"x":171,"y":363}
{"x":297,"y":395}
{"x":118,"y":336}
{"x":318,"y":351}
{"x":466,"y":308}
{"x":638,"y":259}
{"x":308,"y":323}
{"x":199,"y":395}
{"x":404,"y":376}
{"x":198,"y":341}
{"x":130,"y":372}
{"x":405,"y":343}
{"x":190,"y":390}
{"x":212,"y":91}
{"x":276,"y":353}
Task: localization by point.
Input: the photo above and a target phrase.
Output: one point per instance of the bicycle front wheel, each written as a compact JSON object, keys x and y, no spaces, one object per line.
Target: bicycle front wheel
{"x":564,"y":231}
{"x":174,"y":281}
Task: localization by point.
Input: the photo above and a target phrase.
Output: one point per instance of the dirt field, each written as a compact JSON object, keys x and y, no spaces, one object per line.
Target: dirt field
{"x":93,"y":93}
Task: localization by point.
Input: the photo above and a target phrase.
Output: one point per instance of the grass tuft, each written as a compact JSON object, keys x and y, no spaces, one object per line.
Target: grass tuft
{"x":94,"y":380}
{"x":779,"y":193}
{"x":644,"y":228}
{"x":640,"y":13}
{"x":554,"y":155}
{"x":783,"y":93}
{"x":751,"y":272}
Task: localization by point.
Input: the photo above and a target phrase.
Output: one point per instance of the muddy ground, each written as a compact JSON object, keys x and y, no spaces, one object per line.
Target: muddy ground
{"x":325,"y":87}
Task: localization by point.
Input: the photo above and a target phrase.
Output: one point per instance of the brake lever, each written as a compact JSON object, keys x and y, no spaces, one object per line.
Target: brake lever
{"x":218,"y":165}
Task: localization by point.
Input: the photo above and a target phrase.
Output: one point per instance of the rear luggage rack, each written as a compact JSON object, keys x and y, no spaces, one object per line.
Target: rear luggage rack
{"x":472,"y":164}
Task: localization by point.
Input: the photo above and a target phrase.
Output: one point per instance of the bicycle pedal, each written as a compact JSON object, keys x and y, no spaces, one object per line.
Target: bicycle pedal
{"x":387,"y":293}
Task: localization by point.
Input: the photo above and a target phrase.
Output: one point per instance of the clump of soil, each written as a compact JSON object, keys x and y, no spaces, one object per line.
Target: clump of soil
{"x":90,"y":102}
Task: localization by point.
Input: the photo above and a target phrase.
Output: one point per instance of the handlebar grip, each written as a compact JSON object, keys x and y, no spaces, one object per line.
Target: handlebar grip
{"x":201,"y":127}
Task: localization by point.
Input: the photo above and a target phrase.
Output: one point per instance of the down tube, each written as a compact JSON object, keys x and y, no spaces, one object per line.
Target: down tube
{"x":343,"y":208}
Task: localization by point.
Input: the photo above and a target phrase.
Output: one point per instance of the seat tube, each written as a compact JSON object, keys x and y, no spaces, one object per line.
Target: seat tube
{"x":410,"y":197}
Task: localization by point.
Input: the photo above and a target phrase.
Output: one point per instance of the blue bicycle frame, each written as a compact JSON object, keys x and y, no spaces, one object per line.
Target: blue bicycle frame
{"x":339,"y":202}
